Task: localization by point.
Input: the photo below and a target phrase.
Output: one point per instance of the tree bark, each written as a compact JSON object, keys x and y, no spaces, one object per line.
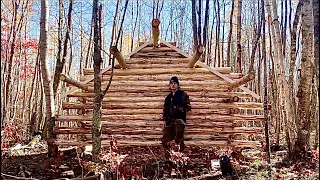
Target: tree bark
{"x":47,"y":84}
{"x":304,"y":91}
{"x":194,"y":26}
{"x":239,"y":48}
{"x":230,"y":35}
{"x":96,"y":122}
{"x":60,"y":64}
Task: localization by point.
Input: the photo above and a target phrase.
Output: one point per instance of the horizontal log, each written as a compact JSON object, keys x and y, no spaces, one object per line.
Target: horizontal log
{"x":162,"y":77}
{"x":159,"y":49}
{"x":154,"y":61}
{"x":114,"y":50}
{"x":204,"y":143}
{"x":216,"y":83}
{"x":148,"y":131}
{"x":161,"y":44}
{"x":196,"y":56}
{"x":157,"y":99}
{"x":166,"y":90}
{"x":242,"y":81}
{"x":155,"y":66}
{"x":141,"y":125}
{"x":157,"y":55}
{"x":76,"y":83}
{"x":187,"y":137}
{"x":157,"y":105}
{"x":198,"y":94}
{"x":231,"y":111}
{"x":173,"y":70}
{"x":157,"y":117}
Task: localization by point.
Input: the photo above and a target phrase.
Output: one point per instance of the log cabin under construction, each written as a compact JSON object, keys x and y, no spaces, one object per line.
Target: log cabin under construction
{"x":132,"y":107}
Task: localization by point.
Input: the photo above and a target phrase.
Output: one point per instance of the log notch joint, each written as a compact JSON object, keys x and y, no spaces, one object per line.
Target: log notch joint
{"x":155,"y":32}
{"x":114,"y":50}
{"x":196,"y":56}
{"x":241,"y":81}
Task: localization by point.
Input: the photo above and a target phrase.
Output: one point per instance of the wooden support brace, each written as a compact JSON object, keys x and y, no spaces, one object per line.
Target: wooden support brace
{"x":241,"y":81}
{"x":73,"y":82}
{"x":196,"y":56}
{"x":114,"y":50}
{"x":155,"y":32}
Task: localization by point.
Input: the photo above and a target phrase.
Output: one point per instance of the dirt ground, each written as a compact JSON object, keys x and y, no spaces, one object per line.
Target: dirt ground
{"x":146,"y":163}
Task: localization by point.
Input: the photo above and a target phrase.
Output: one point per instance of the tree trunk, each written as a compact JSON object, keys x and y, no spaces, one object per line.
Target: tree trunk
{"x":230,"y":35}
{"x":47,"y":84}
{"x":265,"y":82}
{"x":316,"y":57}
{"x":194,"y":26}
{"x":199,"y":21}
{"x":96,"y":122}
{"x":304,"y":91}
{"x":279,"y":62}
{"x":60,"y":64}
{"x":205,"y":26}
{"x":239,"y":53}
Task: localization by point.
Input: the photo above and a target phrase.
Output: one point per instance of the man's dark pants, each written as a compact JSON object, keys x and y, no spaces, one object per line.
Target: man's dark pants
{"x":173,"y":131}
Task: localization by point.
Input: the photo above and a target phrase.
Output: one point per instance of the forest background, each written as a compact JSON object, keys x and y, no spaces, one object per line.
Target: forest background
{"x":234,"y":33}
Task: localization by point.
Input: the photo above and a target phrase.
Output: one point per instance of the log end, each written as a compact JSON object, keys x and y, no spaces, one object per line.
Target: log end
{"x":251,"y":76}
{"x":113,"y":49}
{"x":155,"y":22}
{"x":200,"y":49}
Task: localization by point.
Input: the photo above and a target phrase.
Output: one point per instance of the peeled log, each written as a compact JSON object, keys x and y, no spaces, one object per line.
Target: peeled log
{"x":156,"y":118}
{"x":203,"y":94}
{"x":156,"y":105}
{"x":155,"y":32}
{"x":196,"y":56}
{"x":242,"y":81}
{"x":173,"y":70}
{"x":141,"y":142}
{"x":114,"y":50}
{"x":154,"y":131}
{"x":165,"y":77}
{"x":73,"y":82}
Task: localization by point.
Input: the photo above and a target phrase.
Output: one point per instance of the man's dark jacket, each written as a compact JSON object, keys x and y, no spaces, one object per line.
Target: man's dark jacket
{"x":176,"y":106}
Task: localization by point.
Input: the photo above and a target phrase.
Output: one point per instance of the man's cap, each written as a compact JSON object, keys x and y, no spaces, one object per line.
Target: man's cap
{"x":174,"y":79}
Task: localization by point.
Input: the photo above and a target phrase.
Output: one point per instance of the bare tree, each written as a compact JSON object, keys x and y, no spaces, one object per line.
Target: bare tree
{"x":230,"y":35}
{"x":96,"y":122}
{"x":239,"y":50}
{"x":194,"y":26}
{"x":47,"y":84}
{"x":304,"y":92}
{"x":60,"y":62}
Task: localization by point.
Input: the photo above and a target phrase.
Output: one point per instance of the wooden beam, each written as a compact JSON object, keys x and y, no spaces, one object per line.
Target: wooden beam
{"x":114,"y":50}
{"x":142,"y":142}
{"x":155,"y":32}
{"x":76,"y":83}
{"x":156,"y":105}
{"x":172,"y":70}
{"x":196,"y":56}
{"x":203,"y":94}
{"x":161,"y":45}
{"x":164,"y":77}
{"x":155,"y":119}
{"x":242,"y":81}
{"x":86,"y":81}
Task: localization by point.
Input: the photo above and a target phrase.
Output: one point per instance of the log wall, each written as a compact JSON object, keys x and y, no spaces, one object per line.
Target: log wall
{"x":132,"y":107}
